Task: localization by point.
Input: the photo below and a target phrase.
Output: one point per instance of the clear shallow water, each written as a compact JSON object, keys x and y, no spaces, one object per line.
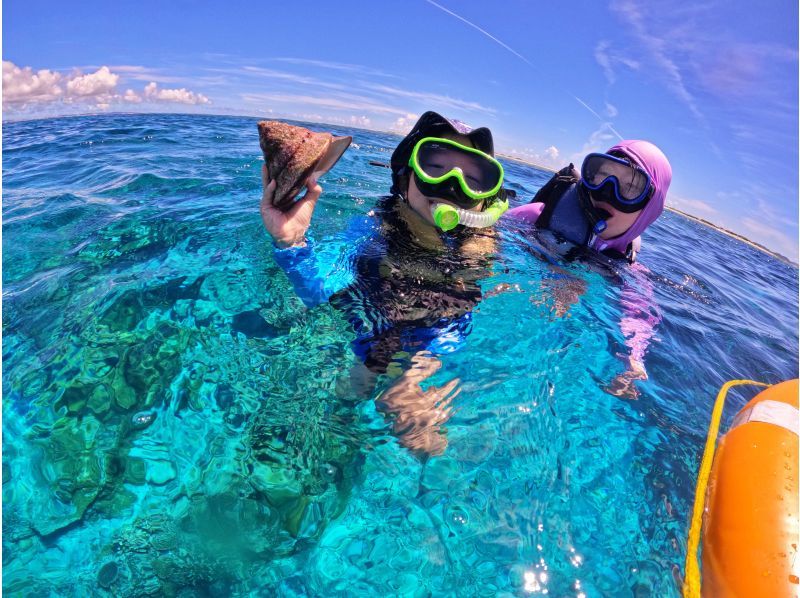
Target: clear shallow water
{"x":175,"y":421}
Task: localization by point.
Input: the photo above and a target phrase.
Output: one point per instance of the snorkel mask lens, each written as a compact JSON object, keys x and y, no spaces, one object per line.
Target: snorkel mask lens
{"x":616,"y":181}
{"x":449,"y":170}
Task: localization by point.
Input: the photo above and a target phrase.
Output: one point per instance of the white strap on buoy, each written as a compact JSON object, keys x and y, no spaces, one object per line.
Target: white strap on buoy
{"x":771,"y":412}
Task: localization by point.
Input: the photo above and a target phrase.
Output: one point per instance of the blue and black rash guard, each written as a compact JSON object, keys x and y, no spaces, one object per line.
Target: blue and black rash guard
{"x":400,"y":295}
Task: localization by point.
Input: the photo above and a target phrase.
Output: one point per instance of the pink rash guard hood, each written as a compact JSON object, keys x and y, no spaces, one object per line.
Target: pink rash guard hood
{"x":653,"y":161}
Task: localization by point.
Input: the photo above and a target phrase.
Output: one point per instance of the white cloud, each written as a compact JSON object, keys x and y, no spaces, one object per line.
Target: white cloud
{"x":179,"y":96}
{"x":608,"y":125}
{"x":22,"y":86}
{"x":98,"y":83}
{"x":767,"y":201}
{"x":657,"y":48}
{"x":770,"y":237}
{"x":340,"y":102}
{"x":404,"y":123}
{"x":599,"y":141}
{"x":26,"y":90}
{"x":549,"y":158}
{"x":765,"y":220}
{"x":552,"y":153}
{"x":694,"y":207}
{"x":273,"y":74}
{"x":336,"y":66}
{"x":357,"y":96}
{"x":360,"y":121}
{"x":431,"y":99}
{"x":358,"y":93}
{"x":309,"y":117}
{"x":364,"y":97}
{"x":143,"y":73}
{"x":769,"y":206}
{"x":132,"y":97}
{"x":732,"y":81}
{"x":603,"y":59}
{"x":606,"y":58}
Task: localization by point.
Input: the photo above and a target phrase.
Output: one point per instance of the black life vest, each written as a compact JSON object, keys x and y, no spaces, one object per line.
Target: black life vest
{"x":402,"y":289}
{"x":566,"y":211}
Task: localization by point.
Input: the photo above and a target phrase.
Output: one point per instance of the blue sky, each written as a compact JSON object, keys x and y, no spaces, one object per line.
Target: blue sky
{"x":714,"y":84}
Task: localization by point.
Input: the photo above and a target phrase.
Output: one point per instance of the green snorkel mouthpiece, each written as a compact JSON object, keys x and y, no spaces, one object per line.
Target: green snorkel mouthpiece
{"x":447,"y":217}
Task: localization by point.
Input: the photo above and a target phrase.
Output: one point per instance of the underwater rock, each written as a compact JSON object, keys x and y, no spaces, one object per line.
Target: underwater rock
{"x":135,"y":471}
{"x":114,"y":501}
{"x":306,"y":519}
{"x":74,"y":477}
{"x":133,"y":540}
{"x":149,"y":366}
{"x":164,"y":540}
{"x":148,"y":534}
{"x":107,"y":574}
{"x":124,"y":395}
{"x":233,"y":525}
{"x":100,"y":400}
{"x":160,"y":472}
{"x":293,"y":154}
{"x":187,"y":570}
{"x":441,"y":474}
{"x":298,"y":469}
{"x":164,"y":558}
{"x":165,"y":567}
{"x":124,"y":313}
{"x":141,"y":420}
{"x":162,"y":530}
{"x":236,"y":417}
{"x":205,"y":312}
{"x":15,"y":527}
{"x":252,"y":324}
{"x":225,"y":396}
{"x":276,"y":484}
{"x":74,"y":398}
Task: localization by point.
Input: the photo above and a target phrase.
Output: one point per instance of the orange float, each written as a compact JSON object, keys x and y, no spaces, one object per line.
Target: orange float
{"x":750,"y":527}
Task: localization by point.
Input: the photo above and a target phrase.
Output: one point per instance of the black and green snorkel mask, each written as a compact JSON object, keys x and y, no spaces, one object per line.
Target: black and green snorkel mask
{"x":462,"y":175}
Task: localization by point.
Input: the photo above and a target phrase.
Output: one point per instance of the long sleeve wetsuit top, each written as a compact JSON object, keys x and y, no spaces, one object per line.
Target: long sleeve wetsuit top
{"x":399,"y":296}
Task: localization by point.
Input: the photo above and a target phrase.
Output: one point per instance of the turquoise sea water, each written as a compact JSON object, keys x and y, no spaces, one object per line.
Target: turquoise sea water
{"x":176,"y":422}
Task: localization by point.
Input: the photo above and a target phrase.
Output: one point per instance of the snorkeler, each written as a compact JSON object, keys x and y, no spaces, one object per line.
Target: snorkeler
{"x":605,"y":208}
{"x":420,"y":255}
{"x":609,"y":204}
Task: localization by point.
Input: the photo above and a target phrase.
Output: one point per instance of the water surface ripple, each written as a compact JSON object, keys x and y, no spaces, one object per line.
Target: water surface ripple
{"x":176,"y":421}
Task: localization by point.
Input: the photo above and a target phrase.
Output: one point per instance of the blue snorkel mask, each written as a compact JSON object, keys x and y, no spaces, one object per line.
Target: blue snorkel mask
{"x":616,"y":181}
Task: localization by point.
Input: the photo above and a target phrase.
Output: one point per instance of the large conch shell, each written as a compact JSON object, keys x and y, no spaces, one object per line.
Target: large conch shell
{"x":293,"y":154}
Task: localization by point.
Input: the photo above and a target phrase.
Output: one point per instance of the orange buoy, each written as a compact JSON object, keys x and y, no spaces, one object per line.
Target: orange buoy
{"x":750,"y":530}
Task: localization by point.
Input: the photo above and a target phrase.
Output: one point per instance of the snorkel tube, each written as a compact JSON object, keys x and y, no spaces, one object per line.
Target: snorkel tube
{"x":447,"y":217}
{"x":595,"y":216}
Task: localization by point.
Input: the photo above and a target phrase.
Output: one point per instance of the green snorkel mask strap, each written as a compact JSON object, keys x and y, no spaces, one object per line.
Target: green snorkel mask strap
{"x":461,"y":174}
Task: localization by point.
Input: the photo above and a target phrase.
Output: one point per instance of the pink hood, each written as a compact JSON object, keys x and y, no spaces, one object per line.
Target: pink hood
{"x":653,"y":161}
